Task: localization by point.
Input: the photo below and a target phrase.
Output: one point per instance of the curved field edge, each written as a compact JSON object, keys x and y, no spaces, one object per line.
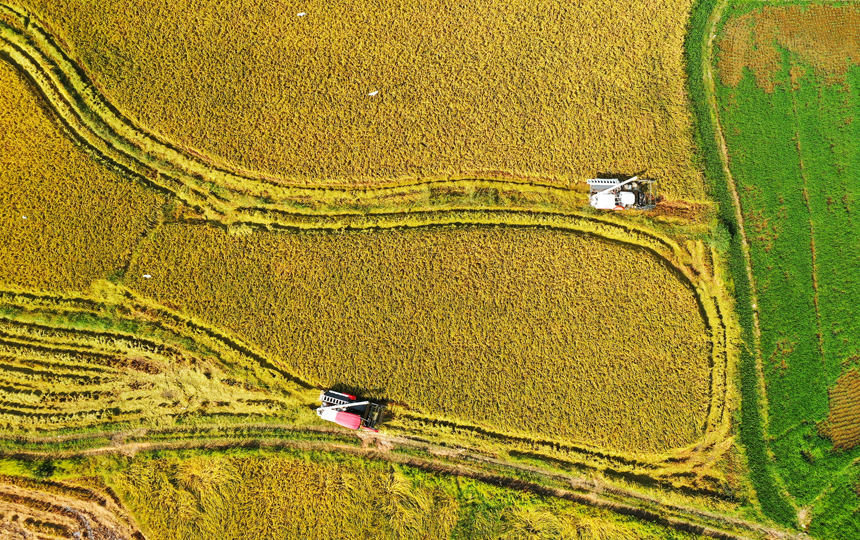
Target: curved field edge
{"x":709,"y":309}
{"x":214,"y":191}
{"x":49,"y":454}
{"x":604,"y":227}
{"x":697,"y":280}
{"x":752,"y":417}
{"x":230,"y":196}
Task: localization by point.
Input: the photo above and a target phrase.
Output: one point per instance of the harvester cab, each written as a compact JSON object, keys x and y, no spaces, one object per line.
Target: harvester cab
{"x":347,"y":411}
{"x":615,"y":194}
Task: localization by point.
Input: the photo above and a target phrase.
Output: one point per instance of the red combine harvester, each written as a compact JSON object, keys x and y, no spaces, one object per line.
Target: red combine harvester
{"x":345,"y":410}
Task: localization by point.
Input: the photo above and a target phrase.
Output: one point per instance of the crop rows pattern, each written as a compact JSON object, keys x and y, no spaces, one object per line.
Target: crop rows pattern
{"x":47,"y":509}
{"x":480,"y":90}
{"x":286,"y":347}
{"x":58,"y":373}
{"x":438,"y":245}
{"x":824,"y":38}
{"x":843,"y":422}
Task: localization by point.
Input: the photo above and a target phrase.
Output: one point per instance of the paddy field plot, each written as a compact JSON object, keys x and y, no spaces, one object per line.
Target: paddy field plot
{"x":441,"y":319}
{"x":65,"y":218}
{"x":524,"y":330}
{"x":788,"y":86}
{"x":471,"y":311}
{"x":546,"y":90}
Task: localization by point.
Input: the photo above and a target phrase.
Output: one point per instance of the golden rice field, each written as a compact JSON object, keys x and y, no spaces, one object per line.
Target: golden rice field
{"x":545,"y":90}
{"x":365,"y":310}
{"x":271,"y":497}
{"x":125,"y":313}
{"x":65,"y":219}
{"x":520,"y":329}
{"x":309,"y":496}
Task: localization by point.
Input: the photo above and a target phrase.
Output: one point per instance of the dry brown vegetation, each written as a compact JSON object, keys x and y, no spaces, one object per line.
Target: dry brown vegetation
{"x":843,"y":423}
{"x":824,"y":37}
{"x":524,"y":330}
{"x":545,"y":89}
{"x":49,"y":509}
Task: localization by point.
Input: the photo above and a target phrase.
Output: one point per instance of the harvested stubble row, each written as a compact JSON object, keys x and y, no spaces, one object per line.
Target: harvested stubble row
{"x":65,"y":219}
{"x":78,"y":380}
{"x":843,"y":422}
{"x":519,"y":329}
{"x":544,"y":89}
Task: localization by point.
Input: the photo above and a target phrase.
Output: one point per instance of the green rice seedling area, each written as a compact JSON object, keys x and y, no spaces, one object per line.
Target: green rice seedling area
{"x":791,"y":123}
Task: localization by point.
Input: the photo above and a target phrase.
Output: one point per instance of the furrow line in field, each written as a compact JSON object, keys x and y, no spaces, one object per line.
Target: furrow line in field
{"x":815,"y":293}
{"x":59,"y":509}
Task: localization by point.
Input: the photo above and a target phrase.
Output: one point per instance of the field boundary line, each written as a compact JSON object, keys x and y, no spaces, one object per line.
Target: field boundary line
{"x":710,"y":88}
{"x":766,"y":486}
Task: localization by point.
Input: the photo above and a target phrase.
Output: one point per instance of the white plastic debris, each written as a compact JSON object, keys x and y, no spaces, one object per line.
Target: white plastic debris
{"x":373,"y":93}
{"x":147,"y":276}
{"x":23,"y":217}
{"x":302,"y":14}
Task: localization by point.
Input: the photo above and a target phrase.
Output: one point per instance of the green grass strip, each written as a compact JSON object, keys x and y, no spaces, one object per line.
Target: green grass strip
{"x":751,"y":430}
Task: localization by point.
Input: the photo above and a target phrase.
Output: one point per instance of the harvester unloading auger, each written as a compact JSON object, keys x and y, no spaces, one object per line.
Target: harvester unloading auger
{"x":345,"y":410}
{"x":613,"y":194}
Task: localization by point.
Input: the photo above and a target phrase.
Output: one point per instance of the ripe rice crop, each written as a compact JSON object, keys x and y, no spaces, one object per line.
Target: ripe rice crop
{"x":65,"y":219}
{"x":520,"y":329}
{"x":311,"y":495}
{"x":543,"y":89}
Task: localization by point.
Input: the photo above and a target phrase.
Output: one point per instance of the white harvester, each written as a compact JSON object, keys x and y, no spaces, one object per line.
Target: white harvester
{"x":614,"y":194}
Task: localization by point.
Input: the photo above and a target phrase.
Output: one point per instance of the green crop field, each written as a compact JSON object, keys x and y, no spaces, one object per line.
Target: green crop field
{"x":789,"y":94}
